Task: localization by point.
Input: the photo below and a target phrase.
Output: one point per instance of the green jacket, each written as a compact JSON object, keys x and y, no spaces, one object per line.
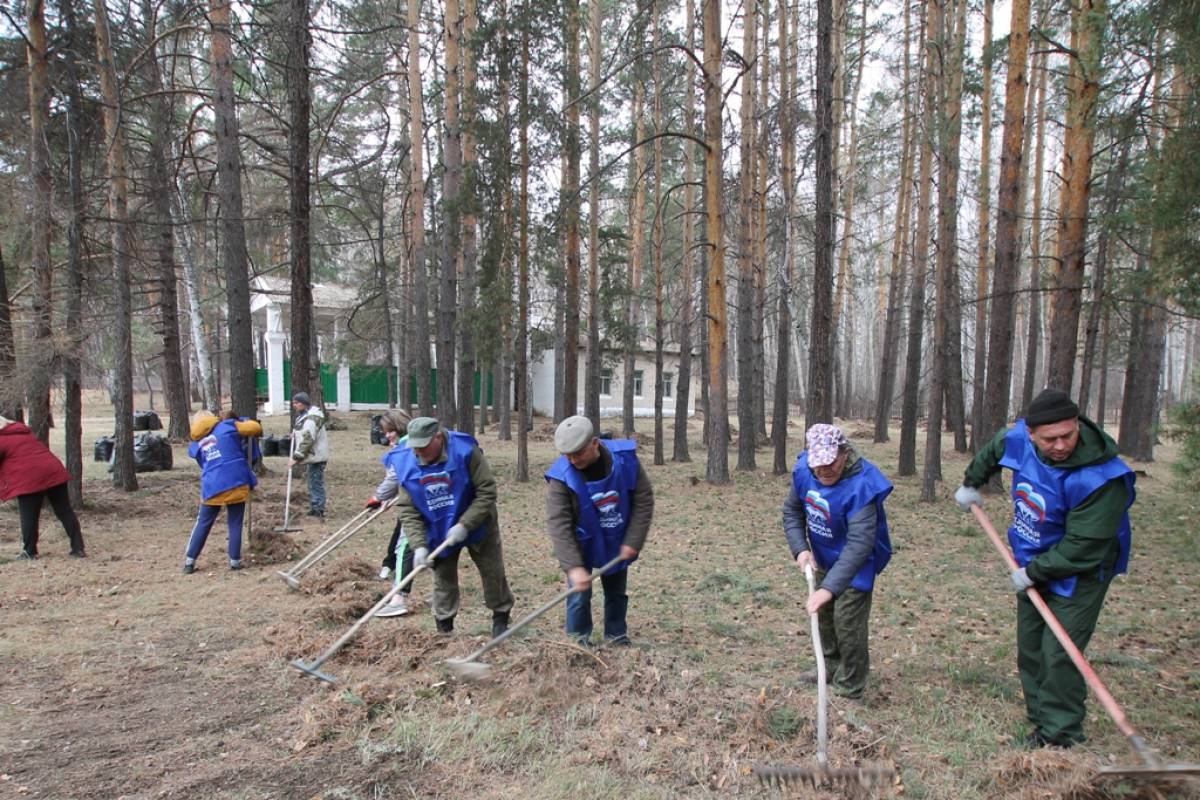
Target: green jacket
{"x":1090,"y":542}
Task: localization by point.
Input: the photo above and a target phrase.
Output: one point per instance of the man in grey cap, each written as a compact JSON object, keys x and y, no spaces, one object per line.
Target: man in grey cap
{"x":599,"y":506}
{"x":446,"y":492}
{"x":310,"y":447}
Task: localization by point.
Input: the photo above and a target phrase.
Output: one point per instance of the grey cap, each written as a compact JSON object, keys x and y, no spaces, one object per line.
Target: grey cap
{"x":302,"y":398}
{"x":572,"y":434}
{"x":421,"y":431}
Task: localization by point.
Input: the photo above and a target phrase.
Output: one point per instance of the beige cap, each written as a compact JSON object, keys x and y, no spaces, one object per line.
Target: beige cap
{"x":572,"y":434}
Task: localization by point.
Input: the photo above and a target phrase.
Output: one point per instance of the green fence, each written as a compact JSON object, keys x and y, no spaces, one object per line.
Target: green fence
{"x":368,"y":384}
{"x":328,"y":382}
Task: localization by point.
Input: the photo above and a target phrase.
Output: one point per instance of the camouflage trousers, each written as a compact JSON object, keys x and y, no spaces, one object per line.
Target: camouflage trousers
{"x":844,"y":625}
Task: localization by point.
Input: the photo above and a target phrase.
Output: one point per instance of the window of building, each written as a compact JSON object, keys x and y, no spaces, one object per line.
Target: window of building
{"x":668,"y":383}
{"x":637,"y":383}
{"x":606,"y":382}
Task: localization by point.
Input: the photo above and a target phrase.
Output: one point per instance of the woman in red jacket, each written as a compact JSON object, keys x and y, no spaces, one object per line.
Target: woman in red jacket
{"x":32,"y":474}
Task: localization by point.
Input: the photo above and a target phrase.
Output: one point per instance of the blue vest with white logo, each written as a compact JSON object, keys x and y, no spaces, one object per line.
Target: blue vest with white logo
{"x":604,"y":505}
{"x":222,"y":459}
{"x":828,"y":510}
{"x":441,"y":492}
{"x":1043,"y":496}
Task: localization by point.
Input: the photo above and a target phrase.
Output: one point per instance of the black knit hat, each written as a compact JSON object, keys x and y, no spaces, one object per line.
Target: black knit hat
{"x":1052,"y":405}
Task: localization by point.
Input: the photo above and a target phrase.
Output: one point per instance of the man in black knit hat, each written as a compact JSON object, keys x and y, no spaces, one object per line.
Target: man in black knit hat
{"x":1070,"y":535}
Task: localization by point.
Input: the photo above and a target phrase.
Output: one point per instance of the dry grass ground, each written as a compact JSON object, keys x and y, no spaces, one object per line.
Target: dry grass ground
{"x":121,"y":677}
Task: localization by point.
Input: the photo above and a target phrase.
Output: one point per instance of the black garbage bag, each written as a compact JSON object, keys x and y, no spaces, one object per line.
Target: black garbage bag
{"x":103,"y":450}
{"x":269,"y":445}
{"x":151,"y":453}
{"x":146,"y":421}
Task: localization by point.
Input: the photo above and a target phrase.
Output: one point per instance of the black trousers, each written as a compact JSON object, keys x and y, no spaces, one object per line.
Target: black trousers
{"x":30,"y":507}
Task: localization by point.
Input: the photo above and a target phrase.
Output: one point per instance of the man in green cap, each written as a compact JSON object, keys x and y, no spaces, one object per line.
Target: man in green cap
{"x":447,"y":493}
{"x":1070,"y":535}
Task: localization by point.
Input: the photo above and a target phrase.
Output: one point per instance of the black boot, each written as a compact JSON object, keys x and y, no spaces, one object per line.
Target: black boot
{"x":499,"y":623}
{"x":445,"y":625}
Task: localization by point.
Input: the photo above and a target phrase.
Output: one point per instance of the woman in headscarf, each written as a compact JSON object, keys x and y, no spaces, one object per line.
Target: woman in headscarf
{"x":32,"y":474}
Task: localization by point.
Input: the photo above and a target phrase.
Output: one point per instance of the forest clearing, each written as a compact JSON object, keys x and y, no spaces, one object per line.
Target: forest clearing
{"x":123,"y":678}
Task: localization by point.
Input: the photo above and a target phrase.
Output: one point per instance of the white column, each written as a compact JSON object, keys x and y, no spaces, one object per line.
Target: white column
{"x":276,"y":403}
{"x":343,"y":384}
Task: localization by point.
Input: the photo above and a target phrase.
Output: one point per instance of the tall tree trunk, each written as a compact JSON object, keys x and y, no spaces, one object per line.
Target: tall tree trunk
{"x":657,"y":235}
{"x":747,"y":432}
{"x":684,"y":383}
{"x":819,"y":407}
{"x":978,"y":434}
{"x":916,"y":315}
{"x":571,"y":205}
{"x":181,"y":221}
{"x":122,"y":249}
{"x":507,"y":252}
{"x":633,"y":277}
{"x":447,"y":312}
{"x":38,"y":364}
{"x":895,"y":293}
{"x":416,"y":122}
{"x":522,"y":348}
{"x":787,"y":177}
{"x":10,"y":395}
{"x":1088,"y":21}
{"x":717,"y":469}
{"x":468,"y":359}
{"x":761,"y":146}
{"x":1004,"y":277}
{"x":178,"y":405}
{"x":955,"y":402}
{"x":1038,"y":115}
{"x":591,"y":383}
{"x":305,"y":366}
{"x":233,"y":227}
{"x":72,"y":366}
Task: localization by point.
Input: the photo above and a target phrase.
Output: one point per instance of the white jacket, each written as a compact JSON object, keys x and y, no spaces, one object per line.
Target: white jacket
{"x":310,"y":440}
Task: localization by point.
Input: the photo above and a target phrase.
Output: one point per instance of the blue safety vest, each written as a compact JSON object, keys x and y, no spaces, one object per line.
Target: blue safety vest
{"x":222,"y":459}
{"x":828,"y":510}
{"x":1043,"y":495}
{"x":604,"y":505}
{"x":441,"y":491}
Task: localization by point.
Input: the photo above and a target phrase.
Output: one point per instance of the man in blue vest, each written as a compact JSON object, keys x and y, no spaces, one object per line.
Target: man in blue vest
{"x":1070,"y":535}
{"x":834,"y":519}
{"x":600,"y":505}
{"x":446,"y":492}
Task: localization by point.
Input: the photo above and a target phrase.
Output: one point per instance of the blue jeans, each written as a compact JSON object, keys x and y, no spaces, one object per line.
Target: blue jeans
{"x":616,"y":603}
{"x":204,"y":523}
{"x":316,"y":487}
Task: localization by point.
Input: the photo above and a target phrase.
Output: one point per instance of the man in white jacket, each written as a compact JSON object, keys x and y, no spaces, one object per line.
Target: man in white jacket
{"x":310,"y":446}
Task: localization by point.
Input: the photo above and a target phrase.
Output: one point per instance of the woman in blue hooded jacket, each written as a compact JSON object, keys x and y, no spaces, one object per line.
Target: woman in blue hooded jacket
{"x":219,"y":447}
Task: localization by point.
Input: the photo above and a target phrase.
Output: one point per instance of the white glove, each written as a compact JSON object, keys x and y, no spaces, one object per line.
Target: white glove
{"x":1021,"y":579}
{"x":965,"y":496}
{"x":457,"y":533}
{"x":421,"y":557}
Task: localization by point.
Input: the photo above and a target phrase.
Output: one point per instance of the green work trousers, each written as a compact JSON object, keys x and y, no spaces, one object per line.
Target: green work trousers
{"x":844,"y":625}
{"x":1054,"y":689}
{"x":489,"y":560}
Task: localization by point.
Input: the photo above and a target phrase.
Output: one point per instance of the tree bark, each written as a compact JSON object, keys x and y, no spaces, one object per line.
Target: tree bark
{"x":1034,"y":295}
{"x":306,"y":375}
{"x":657,"y":235}
{"x":522,"y":349}
{"x":123,"y":475}
{"x":233,"y":229}
{"x":717,"y":468}
{"x":747,"y":434}
{"x":468,"y":358}
{"x":787,"y":178}
{"x":38,"y":364}
{"x":447,"y":311}
{"x":683,"y":391}
{"x":1088,"y":21}
{"x":591,"y":383}
{"x":819,"y":407}
{"x":633,"y":276}
{"x":571,"y":206}
{"x":978,"y":434}
{"x":10,"y":395}
{"x":416,"y":122}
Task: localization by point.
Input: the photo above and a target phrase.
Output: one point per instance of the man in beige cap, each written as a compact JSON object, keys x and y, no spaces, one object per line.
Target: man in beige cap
{"x":446,"y":492}
{"x":599,"y":506}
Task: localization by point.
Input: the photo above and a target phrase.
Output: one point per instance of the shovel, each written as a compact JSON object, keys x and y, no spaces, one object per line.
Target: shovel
{"x":1152,"y":765}
{"x":331,"y":543}
{"x":313,"y":667}
{"x":851,"y":779}
{"x":287,"y":499}
{"x":472,"y":670}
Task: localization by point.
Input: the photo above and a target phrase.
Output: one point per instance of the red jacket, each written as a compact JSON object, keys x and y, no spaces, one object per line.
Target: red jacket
{"x":26,"y":465}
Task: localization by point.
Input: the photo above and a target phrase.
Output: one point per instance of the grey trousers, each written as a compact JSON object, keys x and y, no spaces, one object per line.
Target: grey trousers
{"x":489,"y":560}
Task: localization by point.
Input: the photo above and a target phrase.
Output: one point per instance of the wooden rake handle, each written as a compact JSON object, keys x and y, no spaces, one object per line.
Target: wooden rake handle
{"x":1093,"y":680}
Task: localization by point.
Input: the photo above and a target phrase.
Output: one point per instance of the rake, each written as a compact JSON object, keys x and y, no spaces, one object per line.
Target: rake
{"x":331,"y":543}
{"x":287,"y":498}
{"x":472,"y":670}
{"x":1152,"y":766}
{"x":312,"y":668}
{"x":854,"y":780}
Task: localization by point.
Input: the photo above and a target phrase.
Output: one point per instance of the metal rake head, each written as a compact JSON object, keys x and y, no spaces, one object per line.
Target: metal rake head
{"x":857,"y":781}
{"x":467,"y":670}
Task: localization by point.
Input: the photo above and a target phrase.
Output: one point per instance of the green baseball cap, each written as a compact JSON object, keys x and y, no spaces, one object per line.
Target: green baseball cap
{"x":421,"y":431}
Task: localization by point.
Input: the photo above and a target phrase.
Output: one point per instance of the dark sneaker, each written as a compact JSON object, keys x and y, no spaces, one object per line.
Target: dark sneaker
{"x":188,"y":569}
{"x":445,"y":625}
{"x":619,"y":641}
{"x":317,"y":514}
{"x":1036,"y":740}
{"x":235,"y":564}
{"x":80,"y":553}
{"x":27,"y":556}
{"x":499,"y":623}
